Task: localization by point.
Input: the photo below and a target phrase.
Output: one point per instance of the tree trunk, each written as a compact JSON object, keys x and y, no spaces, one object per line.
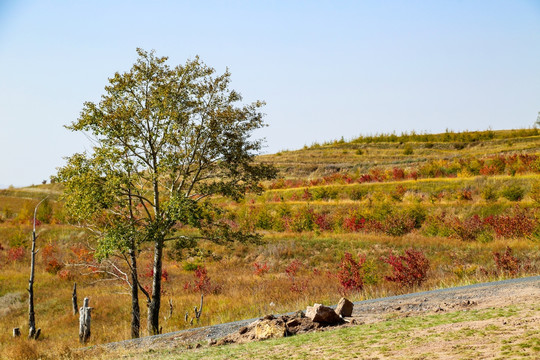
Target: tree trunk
{"x":74,"y":299}
{"x":135,"y":310}
{"x":31,"y":314}
{"x":153,"y":307}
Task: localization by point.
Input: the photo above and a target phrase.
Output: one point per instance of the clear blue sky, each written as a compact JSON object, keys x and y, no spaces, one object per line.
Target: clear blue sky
{"x":326,"y":68}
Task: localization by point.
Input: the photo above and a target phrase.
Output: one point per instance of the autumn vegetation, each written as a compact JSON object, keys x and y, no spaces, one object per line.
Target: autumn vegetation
{"x":362,"y":218}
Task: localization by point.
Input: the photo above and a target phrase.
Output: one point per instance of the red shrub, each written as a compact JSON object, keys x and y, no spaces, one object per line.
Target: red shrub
{"x":398,"y":193}
{"x":53,"y":266}
{"x":413,"y":175}
{"x":398,"y":174}
{"x":292,"y":270}
{"x":65,"y":274}
{"x":518,"y":224}
{"x":468,"y":229}
{"x":373,"y":225}
{"x":16,"y":253}
{"x":350,"y":274}
{"x":306,"y":195}
{"x":202,"y":283}
{"x":260,"y":269}
{"x":150,"y":273}
{"x":323,"y":221}
{"x":465,"y":194}
{"x":353,"y":223}
{"x":365,"y":178}
{"x":506,"y":262}
{"x":409,"y":269}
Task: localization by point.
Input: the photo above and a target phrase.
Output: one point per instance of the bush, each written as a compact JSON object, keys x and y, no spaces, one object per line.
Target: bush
{"x":513,"y":192}
{"x":357,"y":194}
{"x":489,"y":193}
{"x":465,"y":194}
{"x":324,"y":193}
{"x":353,"y":223}
{"x":350,"y":274}
{"x":398,"y":192}
{"x":519,"y":223}
{"x":468,"y":229}
{"x":408,"y":150}
{"x":260,"y":269}
{"x":292,"y":271}
{"x":15,"y":254}
{"x":409,"y":269}
{"x":506,"y":262}
{"x":190,"y":266}
{"x":418,"y":214}
{"x":202,"y":283}
{"x":398,"y":224}
{"x":535,"y":192}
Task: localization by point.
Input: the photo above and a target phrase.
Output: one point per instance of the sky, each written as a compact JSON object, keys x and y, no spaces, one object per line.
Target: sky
{"x":326,"y":69}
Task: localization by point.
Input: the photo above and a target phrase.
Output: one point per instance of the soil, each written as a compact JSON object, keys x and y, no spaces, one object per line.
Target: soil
{"x":479,"y":296}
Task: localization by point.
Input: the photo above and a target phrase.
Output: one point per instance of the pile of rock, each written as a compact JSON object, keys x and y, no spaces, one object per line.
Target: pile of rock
{"x":268,"y":327}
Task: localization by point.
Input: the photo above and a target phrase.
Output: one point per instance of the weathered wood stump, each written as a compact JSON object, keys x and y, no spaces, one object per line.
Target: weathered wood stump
{"x":84,"y":321}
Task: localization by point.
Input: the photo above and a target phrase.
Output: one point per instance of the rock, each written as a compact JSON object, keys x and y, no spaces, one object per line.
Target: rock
{"x":211,"y":342}
{"x":293,"y":323}
{"x":323,"y":314}
{"x":344,"y":307}
{"x":268,"y":329}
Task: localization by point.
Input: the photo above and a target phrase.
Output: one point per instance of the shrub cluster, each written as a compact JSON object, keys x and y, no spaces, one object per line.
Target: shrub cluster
{"x":409,"y":269}
{"x":463,"y":166}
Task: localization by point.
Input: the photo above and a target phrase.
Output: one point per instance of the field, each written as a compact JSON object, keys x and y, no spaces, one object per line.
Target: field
{"x":359,"y":218}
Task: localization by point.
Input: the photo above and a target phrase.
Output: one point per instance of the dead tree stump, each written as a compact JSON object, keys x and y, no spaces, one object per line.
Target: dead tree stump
{"x":84,"y":321}
{"x":16,"y":332}
{"x":74,"y":299}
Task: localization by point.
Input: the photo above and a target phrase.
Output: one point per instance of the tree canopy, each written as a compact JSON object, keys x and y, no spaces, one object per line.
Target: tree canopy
{"x":165,"y":139}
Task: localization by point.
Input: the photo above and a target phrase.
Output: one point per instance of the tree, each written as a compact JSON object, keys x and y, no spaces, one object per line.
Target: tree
{"x":165,"y":141}
{"x":32,"y":332}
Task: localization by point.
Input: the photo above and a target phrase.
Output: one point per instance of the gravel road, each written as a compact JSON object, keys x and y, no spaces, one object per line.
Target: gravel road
{"x":449,"y":299}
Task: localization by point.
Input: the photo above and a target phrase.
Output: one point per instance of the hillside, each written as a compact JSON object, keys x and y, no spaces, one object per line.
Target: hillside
{"x":406,"y":150}
{"x":368,"y":218}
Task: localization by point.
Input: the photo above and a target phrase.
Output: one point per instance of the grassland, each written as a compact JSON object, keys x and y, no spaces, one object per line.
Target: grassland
{"x":433,"y":200}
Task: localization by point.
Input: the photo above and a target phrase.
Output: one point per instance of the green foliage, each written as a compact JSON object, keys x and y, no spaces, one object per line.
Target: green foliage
{"x":513,"y":192}
{"x":45,"y":212}
{"x":535,"y":192}
{"x":408,"y":150}
{"x":190,"y":266}
{"x":489,"y":193}
{"x":324,"y":193}
{"x":165,"y":139}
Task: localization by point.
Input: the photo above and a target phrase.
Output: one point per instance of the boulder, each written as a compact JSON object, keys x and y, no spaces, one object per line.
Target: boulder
{"x":344,"y":307}
{"x":323,"y":314}
{"x":269,"y":329}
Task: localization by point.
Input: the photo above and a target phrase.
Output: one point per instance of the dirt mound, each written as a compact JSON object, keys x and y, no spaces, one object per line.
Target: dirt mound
{"x":271,"y":326}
